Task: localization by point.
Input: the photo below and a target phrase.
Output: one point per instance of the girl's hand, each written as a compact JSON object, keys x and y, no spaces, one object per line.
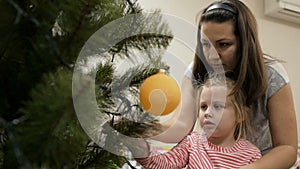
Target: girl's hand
{"x":138,"y":147}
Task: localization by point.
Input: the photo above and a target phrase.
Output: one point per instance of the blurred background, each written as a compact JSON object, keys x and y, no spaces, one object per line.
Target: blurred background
{"x":40,"y":42}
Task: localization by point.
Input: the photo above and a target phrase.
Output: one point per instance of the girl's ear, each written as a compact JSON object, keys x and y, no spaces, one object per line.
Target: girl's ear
{"x":239,"y":119}
{"x":246,"y":110}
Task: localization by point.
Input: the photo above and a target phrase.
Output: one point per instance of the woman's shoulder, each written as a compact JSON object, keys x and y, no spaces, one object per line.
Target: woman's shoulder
{"x":277,"y":77}
{"x":189,"y":71}
{"x":277,"y":68}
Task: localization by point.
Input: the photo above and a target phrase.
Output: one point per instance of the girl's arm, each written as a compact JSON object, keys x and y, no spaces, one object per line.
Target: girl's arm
{"x":283,"y":128}
{"x":176,"y":158}
{"x":184,"y":117}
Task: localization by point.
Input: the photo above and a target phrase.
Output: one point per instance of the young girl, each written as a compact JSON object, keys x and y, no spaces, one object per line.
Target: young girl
{"x":224,"y":119}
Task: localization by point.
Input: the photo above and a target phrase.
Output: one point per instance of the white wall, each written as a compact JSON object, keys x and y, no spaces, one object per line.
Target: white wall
{"x":278,"y":38}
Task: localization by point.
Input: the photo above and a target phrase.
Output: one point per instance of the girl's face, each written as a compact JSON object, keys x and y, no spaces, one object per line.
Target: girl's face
{"x":220,"y":45}
{"x":217,"y":115}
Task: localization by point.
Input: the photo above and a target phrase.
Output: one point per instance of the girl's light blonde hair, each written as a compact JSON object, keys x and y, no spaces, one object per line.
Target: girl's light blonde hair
{"x":238,"y":100}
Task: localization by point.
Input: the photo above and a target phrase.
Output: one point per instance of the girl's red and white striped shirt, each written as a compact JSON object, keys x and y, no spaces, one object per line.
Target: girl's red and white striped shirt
{"x":196,"y":152}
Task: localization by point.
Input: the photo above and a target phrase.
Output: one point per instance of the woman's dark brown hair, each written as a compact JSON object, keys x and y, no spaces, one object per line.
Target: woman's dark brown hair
{"x":250,"y":72}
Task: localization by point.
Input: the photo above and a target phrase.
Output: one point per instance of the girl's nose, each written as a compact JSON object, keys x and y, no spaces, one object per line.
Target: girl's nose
{"x":207,"y":114}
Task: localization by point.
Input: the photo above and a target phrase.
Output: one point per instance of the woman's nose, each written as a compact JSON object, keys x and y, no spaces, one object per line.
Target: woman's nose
{"x":214,"y":54}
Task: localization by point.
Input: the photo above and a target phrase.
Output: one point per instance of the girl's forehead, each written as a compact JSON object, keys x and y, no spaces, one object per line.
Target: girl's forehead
{"x":215,"y":88}
{"x":215,"y":92}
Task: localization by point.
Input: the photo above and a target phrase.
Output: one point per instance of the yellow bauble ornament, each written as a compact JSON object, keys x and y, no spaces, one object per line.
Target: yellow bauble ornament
{"x":159,"y":94}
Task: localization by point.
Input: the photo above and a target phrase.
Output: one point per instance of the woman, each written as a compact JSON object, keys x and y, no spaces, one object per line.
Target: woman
{"x":229,"y":27}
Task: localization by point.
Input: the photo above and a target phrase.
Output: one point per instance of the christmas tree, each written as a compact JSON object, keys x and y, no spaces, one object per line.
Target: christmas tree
{"x":40,"y":44}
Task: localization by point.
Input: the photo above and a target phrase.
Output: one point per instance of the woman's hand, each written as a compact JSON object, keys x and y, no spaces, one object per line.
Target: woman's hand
{"x":185,"y":116}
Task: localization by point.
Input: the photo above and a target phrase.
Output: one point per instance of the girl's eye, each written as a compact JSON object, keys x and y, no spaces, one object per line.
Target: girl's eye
{"x":203,"y":107}
{"x":219,"y":106}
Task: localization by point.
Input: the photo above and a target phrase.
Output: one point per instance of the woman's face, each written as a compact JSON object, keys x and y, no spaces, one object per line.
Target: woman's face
{"x":220,"y":45}
{"x":217,"y":114}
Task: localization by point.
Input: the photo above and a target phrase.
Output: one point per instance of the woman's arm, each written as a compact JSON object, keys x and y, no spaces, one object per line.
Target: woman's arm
{"x":283,"y":128}
{"x":185,"y":116}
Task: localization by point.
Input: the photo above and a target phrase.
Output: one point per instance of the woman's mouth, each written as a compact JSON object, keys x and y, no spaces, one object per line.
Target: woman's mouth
{"x":217,"y":65}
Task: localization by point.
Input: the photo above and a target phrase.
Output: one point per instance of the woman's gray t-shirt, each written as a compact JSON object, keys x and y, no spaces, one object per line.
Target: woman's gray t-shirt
{"x":260,"y":135}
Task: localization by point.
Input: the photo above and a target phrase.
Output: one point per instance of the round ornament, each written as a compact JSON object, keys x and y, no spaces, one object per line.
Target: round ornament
{"x":159,"y":94}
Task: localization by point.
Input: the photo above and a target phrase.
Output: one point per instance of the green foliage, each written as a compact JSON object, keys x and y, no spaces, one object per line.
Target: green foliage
{"x":31,"y":46}
{"x":96,"y":157}
{"x":50,"y":127}
{"x":40,"y":42}
{"x":118,"y":96}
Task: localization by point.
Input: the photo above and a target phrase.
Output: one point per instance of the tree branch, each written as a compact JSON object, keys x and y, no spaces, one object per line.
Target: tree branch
{"x":131,"y":6}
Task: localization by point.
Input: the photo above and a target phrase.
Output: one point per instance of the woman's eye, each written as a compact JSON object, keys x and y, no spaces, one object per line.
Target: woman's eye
{"x":223,"y":45}
{"x":205,"y":44}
